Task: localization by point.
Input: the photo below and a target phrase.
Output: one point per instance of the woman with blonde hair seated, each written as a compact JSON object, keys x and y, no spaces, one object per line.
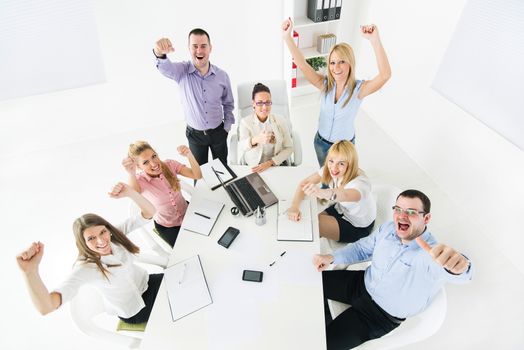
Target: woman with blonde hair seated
{"x":264,"y":138}
{"x":158,"y":182}
{"x":105,"y":260}
{"x":352,"y":212}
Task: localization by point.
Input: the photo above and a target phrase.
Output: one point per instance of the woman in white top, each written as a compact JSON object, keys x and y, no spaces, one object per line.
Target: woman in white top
{"x":353,"y":212}
{"x":264,"y":138}
{"x":105,"y":260}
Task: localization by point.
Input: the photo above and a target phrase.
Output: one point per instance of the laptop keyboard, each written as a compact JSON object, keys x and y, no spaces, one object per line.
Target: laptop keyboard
{"x":249,"y":193}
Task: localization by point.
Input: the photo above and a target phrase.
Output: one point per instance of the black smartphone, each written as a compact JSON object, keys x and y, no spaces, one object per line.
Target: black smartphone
{"x":228,"y":237}
{"x":253,"y":276}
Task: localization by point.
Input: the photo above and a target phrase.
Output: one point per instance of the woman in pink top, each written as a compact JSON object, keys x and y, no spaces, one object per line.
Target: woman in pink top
{"x":158,"y":182}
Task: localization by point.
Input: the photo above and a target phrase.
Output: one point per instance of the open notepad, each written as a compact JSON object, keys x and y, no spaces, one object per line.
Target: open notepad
{"x":225,"y":172}
{"x":186,"y":286}
{"x":201,"y":215}
{"x":288,"y":230}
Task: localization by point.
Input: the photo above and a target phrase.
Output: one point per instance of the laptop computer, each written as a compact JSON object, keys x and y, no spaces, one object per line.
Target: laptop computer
{"x":248,"y":192}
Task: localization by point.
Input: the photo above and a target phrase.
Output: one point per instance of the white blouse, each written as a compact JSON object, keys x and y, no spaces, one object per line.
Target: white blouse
{"x":122,"y":293}
{"x":363,"y":212}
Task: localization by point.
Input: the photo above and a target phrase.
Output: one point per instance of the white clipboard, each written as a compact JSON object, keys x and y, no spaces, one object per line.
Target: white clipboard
{"x":186,"y":286}
{"x":299,"y":231}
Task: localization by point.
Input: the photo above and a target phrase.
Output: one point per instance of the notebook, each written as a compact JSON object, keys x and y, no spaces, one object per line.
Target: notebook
{"x":186,"y":286}
{"x":209,"y":176}
{"x":289,"y":230}
{"x":201,"y":215}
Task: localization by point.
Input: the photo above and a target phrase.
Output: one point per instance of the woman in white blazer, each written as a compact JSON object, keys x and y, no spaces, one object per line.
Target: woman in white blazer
{"x":264,"y":138}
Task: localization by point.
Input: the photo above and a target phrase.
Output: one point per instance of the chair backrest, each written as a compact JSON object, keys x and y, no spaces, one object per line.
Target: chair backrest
{"x":414,"y":329}
{"x":385,"y":196}
{"x":88,"y":304}
{"x":278,"y":96}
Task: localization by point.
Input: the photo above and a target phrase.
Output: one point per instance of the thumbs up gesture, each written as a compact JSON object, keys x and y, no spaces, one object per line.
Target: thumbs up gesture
{"x":445,"y":256}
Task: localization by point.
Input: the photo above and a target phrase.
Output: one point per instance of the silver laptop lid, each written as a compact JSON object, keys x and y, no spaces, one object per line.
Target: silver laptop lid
{"x":263,"y":190}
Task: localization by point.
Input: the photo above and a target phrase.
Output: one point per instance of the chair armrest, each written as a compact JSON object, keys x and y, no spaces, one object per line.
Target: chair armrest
{"x":232,"y":152}
{"x":297,"y":149}
{"x":153,"y":259}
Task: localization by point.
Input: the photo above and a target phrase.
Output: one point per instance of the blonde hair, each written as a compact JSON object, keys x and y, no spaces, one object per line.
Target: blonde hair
{"x":348,"y":152}
{"x":345,"y":52}
{"x":85,"y":254}
{"x":136,"y":149}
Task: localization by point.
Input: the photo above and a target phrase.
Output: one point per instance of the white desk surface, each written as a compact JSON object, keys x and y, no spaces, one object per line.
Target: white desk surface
{"x":285,"y":311}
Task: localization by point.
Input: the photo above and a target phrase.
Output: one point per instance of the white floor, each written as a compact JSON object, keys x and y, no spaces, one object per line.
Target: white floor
{"x":43,"y":192}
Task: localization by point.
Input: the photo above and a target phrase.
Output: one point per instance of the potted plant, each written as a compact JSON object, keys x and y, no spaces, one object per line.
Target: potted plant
{"x":317,"y":63}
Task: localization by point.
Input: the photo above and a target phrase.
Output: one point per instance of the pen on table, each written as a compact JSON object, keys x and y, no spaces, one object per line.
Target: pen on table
{"x":202,"y":215}
{"x":218,"y":171}
{"x":278,"y":257}
{"x":183,"y":274}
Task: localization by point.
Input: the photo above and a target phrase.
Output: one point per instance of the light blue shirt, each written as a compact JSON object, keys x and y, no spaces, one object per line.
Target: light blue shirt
{"x":402,"y":278}
{"x":335,"y":122}
{"x":207,"y":100}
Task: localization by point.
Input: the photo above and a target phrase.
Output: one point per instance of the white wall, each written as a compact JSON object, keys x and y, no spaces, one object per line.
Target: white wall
{"x":479,"y":170}
{"x":246,"y":43}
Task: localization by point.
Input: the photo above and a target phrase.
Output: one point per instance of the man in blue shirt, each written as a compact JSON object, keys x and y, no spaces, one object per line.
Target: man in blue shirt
{"x":408,"y":268}
{"x":206,"y":95}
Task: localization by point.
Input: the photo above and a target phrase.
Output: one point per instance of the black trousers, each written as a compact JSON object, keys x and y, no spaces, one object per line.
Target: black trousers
{"x":363,"y":321}
{"x":168,"y":234}
{"x":201,"y":141}
{"x":149,"y":297}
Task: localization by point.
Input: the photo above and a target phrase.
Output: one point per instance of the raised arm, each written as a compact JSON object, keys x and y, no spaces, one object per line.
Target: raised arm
{"x":172,"y":70}
{"x":453,"y":261}
{"x":121,"y":190}
{"x":293,"y":212}
{"x":310,"y":74}
{"x":370,"y":32}
{"x":193,"y":171}
{"x":336,"y":194}
{"x":28,"y":261}
{"x":130,"y":166}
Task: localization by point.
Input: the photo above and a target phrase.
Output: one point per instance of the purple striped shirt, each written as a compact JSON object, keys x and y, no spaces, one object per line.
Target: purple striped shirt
{"x":207,"y":100}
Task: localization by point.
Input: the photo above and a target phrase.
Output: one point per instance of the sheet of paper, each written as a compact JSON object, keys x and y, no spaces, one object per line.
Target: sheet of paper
{"x":288,"y":230}
{"x":209,"y":176}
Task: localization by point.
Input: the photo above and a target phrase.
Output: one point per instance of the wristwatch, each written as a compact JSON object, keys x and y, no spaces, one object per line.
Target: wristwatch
{"x":333,"y":195}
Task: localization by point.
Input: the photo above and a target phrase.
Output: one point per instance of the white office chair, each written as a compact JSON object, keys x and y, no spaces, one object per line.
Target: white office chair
{"x":87,"y":310}
{"x":279,"y":107}
{"x":414,"y":329}
{"x":385,"y":197}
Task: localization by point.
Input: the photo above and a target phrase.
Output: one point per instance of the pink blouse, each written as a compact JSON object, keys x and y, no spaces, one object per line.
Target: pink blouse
{"x":170,"y":205}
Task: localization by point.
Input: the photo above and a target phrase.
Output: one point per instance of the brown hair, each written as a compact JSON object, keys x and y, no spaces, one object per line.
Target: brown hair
{"x":85,"y":254}
{"x":349,"y":153}
{"x":136,"y":149}
{"x":346,"y":53}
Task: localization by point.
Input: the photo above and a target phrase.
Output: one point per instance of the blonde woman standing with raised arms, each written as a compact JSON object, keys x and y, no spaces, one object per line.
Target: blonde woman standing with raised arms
{"x":342,"y":93}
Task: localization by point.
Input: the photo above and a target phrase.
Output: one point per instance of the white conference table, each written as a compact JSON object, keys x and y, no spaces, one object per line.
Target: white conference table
{"x":284,"y":311}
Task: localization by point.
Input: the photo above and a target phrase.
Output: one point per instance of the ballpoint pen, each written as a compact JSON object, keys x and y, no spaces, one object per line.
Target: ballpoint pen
{"x":278,"y":257}
{"x":202,"y":215}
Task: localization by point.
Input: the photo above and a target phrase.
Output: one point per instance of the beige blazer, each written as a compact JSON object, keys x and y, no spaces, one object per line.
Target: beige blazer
{"x":250,"y":126}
